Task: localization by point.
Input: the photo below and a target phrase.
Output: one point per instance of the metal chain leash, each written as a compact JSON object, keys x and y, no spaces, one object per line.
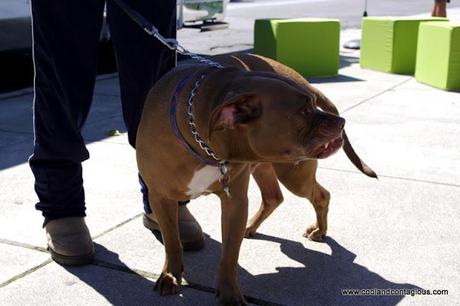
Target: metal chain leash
{"x":224,"y":178}
{"x":174,"y":45}
{"x":191,"y":121}
{"x":171,"y":43}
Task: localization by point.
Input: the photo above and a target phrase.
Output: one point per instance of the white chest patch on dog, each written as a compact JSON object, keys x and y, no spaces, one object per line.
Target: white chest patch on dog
{"x":202,"y":180}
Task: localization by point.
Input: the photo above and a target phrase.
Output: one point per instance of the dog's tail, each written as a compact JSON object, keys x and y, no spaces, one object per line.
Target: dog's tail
{"x":354,"y":158}
{"x":325,"y":104}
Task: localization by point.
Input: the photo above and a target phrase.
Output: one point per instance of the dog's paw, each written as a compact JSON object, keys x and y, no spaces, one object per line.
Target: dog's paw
{"x":250,"y":232}
{"x":314,"y":233}
{"x":168,"y":284}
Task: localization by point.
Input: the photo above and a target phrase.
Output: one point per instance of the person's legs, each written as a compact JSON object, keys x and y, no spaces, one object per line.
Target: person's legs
{"x":65,"y":38}
{"x":439,"y":9}
{"x":142,"y":60}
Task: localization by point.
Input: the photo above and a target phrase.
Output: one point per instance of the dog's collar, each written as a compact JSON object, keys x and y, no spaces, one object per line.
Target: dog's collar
{"x":216,"y":162}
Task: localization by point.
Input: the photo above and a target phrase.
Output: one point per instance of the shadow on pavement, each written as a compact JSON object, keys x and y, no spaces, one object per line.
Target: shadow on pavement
{"x":345,"y":61}
{"x":128,"y":288}
{"x":115,"y":295}
{"x":318,"y":282}
{"x":16,"y":130}
{"x":334,"y":79}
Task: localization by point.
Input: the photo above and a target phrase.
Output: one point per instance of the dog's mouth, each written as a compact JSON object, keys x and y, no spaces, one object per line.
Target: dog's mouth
{"x":329,"y":147}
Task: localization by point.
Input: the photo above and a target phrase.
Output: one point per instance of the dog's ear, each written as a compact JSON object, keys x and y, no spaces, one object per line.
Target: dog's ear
{"x":237,"y":109}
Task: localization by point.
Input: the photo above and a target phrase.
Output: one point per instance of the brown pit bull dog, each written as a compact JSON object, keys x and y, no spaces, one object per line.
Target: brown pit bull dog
{"x":205,"y":129}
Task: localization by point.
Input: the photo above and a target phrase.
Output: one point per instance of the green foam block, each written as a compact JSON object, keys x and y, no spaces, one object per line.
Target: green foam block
{"x":438,"y":55}
{"x":389,"y":44}
{"x":308,"y":45}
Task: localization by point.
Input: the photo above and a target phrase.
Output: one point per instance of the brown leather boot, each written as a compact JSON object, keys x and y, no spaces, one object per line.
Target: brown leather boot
{"x":191,"y":234}
{"x":69,"y":241}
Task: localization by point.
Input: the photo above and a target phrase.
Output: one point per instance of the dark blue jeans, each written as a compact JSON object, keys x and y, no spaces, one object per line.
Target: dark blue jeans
{"x":66,"y":36}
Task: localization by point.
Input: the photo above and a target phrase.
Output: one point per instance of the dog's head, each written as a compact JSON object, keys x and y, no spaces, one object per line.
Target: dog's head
{"x":277,"y":121}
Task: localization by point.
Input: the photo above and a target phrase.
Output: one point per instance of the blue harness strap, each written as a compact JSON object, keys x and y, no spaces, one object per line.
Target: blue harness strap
{"x":175,"y":128}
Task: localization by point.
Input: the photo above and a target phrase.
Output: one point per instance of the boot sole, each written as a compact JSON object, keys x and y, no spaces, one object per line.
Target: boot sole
{"x":187,"y":246}
{"x":66,"y":260}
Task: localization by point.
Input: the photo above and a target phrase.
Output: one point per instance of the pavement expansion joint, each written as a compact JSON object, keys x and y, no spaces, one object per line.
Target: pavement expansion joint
{"x":396,"y":177}
{"x":23,"y":245}
{"x":126,"y":269}
{"x":377,"y":95}
{"x":25,"y":273}
{"x":117,"y":226}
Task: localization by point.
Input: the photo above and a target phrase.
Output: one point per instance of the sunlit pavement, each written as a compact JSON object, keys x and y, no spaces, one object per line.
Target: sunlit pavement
{"x":398,"y":232}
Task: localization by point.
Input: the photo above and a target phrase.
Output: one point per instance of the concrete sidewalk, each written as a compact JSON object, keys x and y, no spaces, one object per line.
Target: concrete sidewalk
{"x":399,"y":232}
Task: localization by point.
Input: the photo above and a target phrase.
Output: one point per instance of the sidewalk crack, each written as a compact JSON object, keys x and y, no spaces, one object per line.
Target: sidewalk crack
{"x":376,"y":95}
{"x":397,"y":178}
{"x":23,"y":245}
{"x":116,"y":226}
{"x":25,"y":273}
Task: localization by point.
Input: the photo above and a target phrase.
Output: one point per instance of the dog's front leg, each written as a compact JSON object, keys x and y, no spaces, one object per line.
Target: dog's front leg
{"x":166,"y":211}
{"x":234,"y":218}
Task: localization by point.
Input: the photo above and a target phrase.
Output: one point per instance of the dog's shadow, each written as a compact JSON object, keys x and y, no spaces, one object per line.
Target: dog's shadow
{"x":118,"y":284}
{"x":319,"y":281}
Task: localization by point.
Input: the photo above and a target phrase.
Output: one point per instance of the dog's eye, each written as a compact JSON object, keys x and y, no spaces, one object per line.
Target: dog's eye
{"x":309,"y":106}
{"x":306,"y":110}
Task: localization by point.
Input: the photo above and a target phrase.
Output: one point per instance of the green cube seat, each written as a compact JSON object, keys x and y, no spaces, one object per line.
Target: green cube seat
{"x":389,"y":44}
{"x":438,"y":55}
{"x":308,"y":45}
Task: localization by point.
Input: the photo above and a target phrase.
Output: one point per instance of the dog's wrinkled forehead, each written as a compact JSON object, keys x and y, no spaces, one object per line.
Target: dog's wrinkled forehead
{"x":275,"y":92}
{"x":308,"y":95}
{"x":307,"y":98}
{"x":311,"y":100}
{"x":311,"y":95}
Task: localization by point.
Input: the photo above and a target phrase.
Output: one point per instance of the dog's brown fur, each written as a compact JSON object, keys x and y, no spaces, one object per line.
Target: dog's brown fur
{"x":299,"y":179}
{"x":263,"y":118}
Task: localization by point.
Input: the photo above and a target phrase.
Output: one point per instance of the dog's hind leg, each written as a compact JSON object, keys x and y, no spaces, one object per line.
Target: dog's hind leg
{"x":300,"y":179}
{"x":272,"y":197}
{"x":320,"y":200}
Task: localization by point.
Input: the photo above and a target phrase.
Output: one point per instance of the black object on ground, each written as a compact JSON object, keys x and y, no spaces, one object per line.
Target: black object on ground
{"x":354,"y":44}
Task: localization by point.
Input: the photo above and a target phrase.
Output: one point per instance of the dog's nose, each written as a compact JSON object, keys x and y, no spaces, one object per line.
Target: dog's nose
{"x":329,"y":120}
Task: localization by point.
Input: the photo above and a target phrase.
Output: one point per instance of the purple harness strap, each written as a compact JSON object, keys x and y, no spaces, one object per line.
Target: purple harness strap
{"x":175,"y":128}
